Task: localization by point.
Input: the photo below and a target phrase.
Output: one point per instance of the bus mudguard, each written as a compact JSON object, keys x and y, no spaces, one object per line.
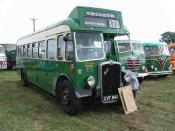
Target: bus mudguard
{"x":80,"y":93}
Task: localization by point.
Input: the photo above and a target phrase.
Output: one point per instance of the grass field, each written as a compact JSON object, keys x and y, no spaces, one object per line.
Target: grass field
{"x":27,"y":109}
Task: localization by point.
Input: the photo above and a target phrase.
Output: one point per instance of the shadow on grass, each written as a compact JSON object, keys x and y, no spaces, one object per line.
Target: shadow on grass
{"x":92,"y":105}
{"x":157,"y":78}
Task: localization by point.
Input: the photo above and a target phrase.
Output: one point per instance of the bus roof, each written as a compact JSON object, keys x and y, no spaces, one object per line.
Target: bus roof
{"x":131,"y":41}
{"x":76,"y":21}
{"x":154,"y":44}
{"x":9,"y":46}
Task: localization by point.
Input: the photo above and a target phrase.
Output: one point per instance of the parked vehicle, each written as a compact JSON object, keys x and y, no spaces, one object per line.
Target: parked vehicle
{"x":171,"y":47}
{"x":10,"y":50}
{"x":3,"y":58}
{"x":157,"y":58}
{"x":131,"y":55}
{"x":68,"y":59}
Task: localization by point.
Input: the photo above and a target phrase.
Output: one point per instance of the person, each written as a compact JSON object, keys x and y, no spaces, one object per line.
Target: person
{"x":134,"y":81}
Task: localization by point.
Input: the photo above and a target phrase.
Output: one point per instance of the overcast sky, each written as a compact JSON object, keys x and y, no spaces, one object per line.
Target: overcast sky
{"x":146,"y":19}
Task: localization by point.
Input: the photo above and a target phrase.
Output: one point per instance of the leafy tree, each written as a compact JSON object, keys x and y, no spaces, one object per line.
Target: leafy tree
{"x":168,"y":37}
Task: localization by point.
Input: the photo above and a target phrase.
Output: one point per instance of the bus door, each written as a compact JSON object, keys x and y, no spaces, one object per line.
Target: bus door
{"x":41,"y":73}
{"x":65,"y":54}
{"x":110,"y":50}
{"x":49,"y":65}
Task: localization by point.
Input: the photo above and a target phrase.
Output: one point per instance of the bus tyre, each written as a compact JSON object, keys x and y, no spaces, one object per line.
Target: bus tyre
{"x":134,"y":93}
{"x":71,"y":104}
{"x":13,"y":67}
{"x":24,"y":80}
{"x":140,"y":79}
{"x":163,"y":76}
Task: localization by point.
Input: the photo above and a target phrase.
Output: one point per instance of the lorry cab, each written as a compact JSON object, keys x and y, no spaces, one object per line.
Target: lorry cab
{"x":3,"y":58}
{"x":130,"y":54}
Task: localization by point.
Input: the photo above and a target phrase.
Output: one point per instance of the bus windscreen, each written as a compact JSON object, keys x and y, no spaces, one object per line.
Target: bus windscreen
{"x":89,"y":46}
{"x":2,"y":51}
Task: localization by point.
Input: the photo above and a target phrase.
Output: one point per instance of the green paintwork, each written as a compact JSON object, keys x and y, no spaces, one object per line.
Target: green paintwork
{"x":10,"y":50}
{"x":122,"y":57}
{"x":158,"y":64}
{"x":45,"y":73}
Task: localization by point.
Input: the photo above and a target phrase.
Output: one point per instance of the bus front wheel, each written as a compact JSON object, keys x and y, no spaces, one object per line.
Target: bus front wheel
{"x":71,"y":104}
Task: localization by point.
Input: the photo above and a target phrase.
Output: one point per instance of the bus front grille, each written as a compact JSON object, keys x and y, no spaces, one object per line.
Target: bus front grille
{"x":133,"y":64}
{"x":110,"y":81}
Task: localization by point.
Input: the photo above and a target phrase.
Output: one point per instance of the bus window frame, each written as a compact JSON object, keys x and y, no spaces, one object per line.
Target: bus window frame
{"x":42,"y":41}
{"x":24,"y":45}
{"x":28,"y":49}
{"x":21,"y":49}
{"x":137,"y":50}
{"x":46,"y":54}
{"x":123,"y":51}
{"x":73,"y":48}
{"x":37,"y":50}
{"x":63,"y":59}
{"x":76,"y":57}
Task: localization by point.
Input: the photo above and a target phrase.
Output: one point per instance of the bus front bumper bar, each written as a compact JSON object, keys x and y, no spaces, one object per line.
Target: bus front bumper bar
{"x":160,"y":73}
{"x":80,"y":93}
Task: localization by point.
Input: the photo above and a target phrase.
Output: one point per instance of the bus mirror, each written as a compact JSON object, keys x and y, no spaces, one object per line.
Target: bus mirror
{"x":65,"y":38}
{"x":68,"y":37}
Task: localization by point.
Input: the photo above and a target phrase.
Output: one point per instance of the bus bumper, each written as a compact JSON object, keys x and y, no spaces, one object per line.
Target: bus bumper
{"x":141,"y":74}
{"x":80,"y":93}
{"x":160,"y":73}
{"x":3,"y":66}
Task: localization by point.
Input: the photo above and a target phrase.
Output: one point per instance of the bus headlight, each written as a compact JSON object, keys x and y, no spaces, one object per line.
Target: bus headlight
{"x":127,"y":78}
{"x":91,"y":81}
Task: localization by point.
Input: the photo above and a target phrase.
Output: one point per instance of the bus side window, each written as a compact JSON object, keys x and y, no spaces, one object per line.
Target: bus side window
{"x":51,"y":49}
{"x":29,"y":51}
{"x":61,"y":48}
{"x":41,"y":49}
{"x":17,"y":51}
{"x":69,"y":48}
{"x":35,"y":50}
{"x":24,"y":51}
{"x":21,"y":51}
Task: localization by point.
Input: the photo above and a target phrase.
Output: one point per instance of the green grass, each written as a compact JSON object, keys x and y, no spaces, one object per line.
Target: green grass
{"x":27,"y":109}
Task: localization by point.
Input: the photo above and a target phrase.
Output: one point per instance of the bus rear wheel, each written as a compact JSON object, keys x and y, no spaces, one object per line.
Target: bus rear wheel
{"x":24,"y":80}
{"x":71,"y":104}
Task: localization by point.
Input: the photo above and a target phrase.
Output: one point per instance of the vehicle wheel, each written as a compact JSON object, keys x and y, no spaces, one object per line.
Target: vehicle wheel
{"x":13,"y":67}
{"x":140,"y":79}
{"x":134,"y":93}
{"x":71,"y":104}
{"x":163,"y":76}
{"x":24,"y":80}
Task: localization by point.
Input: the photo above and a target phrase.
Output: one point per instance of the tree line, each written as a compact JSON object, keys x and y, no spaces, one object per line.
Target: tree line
{"x":168,"y":37}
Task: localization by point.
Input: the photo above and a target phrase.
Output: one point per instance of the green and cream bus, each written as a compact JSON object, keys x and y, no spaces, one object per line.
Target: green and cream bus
{"x":157,"y":58}
{"x":68,"y":59}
